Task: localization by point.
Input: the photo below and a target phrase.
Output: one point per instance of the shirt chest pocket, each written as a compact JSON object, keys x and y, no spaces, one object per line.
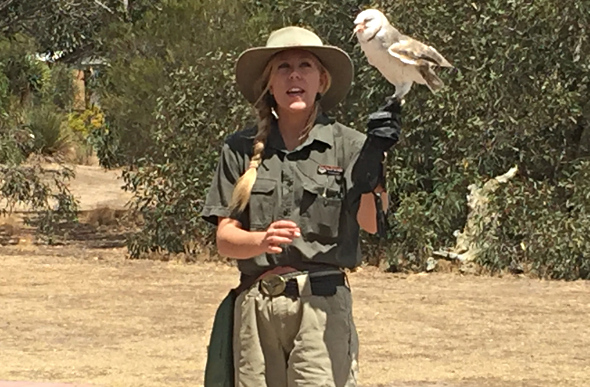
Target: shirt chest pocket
{"x":263,"y":202}
{"x":321,"y":207}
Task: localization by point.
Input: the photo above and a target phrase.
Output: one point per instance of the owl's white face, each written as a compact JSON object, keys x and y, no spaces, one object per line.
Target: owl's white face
{"x":368,"y":23}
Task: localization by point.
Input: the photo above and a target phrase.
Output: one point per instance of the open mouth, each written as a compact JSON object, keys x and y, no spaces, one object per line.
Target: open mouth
{"x":295,"y":92}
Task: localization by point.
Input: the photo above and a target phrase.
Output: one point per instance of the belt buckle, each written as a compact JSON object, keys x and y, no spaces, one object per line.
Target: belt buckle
{"x":273,"y":285}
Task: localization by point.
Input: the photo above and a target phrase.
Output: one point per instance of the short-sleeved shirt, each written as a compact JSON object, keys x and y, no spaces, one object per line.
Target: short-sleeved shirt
{"x":307,"y":185}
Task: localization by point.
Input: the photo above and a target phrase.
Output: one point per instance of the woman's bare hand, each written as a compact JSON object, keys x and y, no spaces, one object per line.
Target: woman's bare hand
{"x":281,"y":232}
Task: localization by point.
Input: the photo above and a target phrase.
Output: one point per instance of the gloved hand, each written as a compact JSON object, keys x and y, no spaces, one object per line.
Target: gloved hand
{"x":383,"y":131}
{"x":384,"y":125}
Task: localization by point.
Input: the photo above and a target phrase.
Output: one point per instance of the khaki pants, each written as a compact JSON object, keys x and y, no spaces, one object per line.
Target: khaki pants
{"x":280,"y":342}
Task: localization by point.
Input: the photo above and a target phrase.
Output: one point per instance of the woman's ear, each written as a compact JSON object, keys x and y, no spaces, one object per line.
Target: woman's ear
{"x":323,"y":82}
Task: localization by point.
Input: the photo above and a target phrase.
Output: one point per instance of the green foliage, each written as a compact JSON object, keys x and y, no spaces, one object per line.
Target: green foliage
{"x":141,"y":57}
{"x":543,"y":227}
{"x":83,"y":124}
{"x":129,"y":101}
{"x":48,"y":128}
{"x":106,"y":143}
{"x":43,"y":191}
{"x":61,"y":27}
{"x":172,"y":179}
{"x":518,"y":95}
{"x":60,"y":89}
{"x":14,"y":145}
{"x":34,"y":96}
{"x":25,"y":73}
{"x":175,"y":69}
{"x":4,"y":94}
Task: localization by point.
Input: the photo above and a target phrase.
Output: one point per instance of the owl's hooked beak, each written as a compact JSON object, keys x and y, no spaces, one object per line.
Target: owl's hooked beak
{"x":359,"y":28}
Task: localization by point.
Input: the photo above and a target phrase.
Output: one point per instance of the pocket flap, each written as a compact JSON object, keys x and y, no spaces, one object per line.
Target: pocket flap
{"x":264,"y":186}
{"x":323,"y":190}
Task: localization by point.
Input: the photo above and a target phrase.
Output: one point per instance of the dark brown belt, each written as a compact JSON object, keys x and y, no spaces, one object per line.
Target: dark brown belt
{"x":282,"y":280}
{"x":322,"y":283}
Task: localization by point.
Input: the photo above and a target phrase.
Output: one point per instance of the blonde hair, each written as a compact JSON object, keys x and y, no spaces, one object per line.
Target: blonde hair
{"x":263,"y":109}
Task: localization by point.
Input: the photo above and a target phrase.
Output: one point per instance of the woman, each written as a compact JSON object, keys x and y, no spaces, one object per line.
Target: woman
{"x":288,"y":198}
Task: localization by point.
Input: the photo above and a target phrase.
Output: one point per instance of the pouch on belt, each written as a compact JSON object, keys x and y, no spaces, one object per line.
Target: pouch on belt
{"x":219,"y":371}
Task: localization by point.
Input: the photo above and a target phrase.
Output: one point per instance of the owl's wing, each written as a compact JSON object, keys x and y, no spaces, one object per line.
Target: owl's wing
{"x":415,"y":53}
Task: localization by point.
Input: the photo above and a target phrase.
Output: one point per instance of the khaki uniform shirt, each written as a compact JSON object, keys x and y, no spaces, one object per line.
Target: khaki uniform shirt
{"x":307,"y":185}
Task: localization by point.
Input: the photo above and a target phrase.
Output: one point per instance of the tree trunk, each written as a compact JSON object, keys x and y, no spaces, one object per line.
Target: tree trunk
{"x":467,"y":248}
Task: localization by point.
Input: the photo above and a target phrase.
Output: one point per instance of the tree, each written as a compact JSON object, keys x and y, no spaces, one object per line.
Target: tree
{"x":518,"y":96}
{"x":66,"y":29}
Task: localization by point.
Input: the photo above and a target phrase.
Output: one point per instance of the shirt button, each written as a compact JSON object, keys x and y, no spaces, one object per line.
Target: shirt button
{"x":286,"y":212}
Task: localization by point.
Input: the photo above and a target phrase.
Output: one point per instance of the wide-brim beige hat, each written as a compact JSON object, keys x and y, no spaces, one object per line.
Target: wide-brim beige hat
{"x":253,"y":61}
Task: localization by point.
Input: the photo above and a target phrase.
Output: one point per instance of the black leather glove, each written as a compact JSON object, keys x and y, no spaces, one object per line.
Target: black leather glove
{"x":383,"y":131}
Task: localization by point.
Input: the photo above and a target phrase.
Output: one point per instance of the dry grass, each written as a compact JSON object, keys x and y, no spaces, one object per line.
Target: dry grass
{"x":91,"y":316}
{"x":11,"y":230}
{"x":105,"y":216}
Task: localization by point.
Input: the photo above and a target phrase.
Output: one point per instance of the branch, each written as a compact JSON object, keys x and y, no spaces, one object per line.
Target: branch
{"x":21,"y":17}
{"x":104,"y":6}
{"x":110,"y":10}
{"x":5,"y":4}
{"x":449,"y":255}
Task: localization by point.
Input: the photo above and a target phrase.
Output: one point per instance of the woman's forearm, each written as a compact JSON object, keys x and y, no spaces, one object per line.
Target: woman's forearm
{"x":233,"y":242}
{"x":367,"y":213}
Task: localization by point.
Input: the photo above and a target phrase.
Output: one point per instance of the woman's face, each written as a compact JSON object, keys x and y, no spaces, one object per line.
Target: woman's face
{"x":295,"y":81}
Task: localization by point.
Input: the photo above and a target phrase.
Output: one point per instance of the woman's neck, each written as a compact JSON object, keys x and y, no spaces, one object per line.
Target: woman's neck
{"x":291,"y":126}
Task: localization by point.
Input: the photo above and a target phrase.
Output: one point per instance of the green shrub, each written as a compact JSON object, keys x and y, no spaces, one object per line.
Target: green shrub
{"x":82,"y":124}
{"x":15,"y":145}
{"x":106,"y":143}
{"x":172,"y":179}
{"x":44,"y":192}
{"x":518,"y":96}
{"x":542,"y":227}
{"x":26,"y":74}
{"x":51,"y":136}
{"x":32,"y":100}
{"x":4,"y":94}
{"x":60,"y":89}
{"x":128,"y":99}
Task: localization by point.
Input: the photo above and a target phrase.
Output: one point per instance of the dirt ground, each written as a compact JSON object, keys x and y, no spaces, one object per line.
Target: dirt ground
{"x":82,"y":314}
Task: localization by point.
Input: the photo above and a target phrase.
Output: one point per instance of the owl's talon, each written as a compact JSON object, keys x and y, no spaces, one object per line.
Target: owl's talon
{"x":393,"y":98}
